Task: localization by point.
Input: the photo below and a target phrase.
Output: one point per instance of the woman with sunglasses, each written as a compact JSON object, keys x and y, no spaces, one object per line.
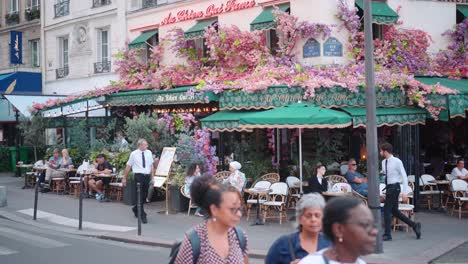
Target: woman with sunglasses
{"x":349,"y":224}
{"x":220,"y":241}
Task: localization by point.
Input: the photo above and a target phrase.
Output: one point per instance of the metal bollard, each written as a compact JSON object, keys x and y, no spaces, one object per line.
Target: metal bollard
{"x":80,"y":213}
{"x":139,"y":207}
{"x":36,"y":194}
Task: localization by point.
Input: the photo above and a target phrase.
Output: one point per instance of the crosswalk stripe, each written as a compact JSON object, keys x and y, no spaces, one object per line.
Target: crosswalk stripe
{"x":6,"y":251}
{"x":66,"y":221}
{"x":31,"y":239}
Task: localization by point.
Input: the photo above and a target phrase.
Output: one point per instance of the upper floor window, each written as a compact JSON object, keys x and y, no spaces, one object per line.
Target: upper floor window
{"x":34,"y":46}
{"x":99,"y":3}
{"x":63,"y":70}
{"x":33,"y":10}
{"x":103,"y":63}
{"x":12,"y":17}
{"x":13,"y":6}
{"x":62,"y":8}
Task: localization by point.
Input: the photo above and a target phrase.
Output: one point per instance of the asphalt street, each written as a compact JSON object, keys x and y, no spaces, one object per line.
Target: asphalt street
{"x":21,"y":244}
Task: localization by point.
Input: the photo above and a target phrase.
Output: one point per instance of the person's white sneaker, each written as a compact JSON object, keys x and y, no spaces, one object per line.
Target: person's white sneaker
{"x":198,"y":214}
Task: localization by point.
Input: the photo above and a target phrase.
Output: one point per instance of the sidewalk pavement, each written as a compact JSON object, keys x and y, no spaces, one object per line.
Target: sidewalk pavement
{"x":440,"y":231}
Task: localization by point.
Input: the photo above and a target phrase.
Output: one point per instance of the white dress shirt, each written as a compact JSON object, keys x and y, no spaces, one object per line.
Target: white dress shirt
{"x":456,"y":172}
{"x":136,"y":161}
{"x":396,"y":172}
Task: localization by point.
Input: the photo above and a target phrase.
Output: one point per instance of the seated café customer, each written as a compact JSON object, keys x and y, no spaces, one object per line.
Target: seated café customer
{"x":317,"y":183}
{"x":102,"y":166}
{"x":236,"y":178}
{"x":308,"y":239}
{"x":349,"y":224}
{"x":459,"y":172}
{"x":193,"y":172}
{"x":357,"y":181}
{"x":53,"y":170}
{"x":51,"y":165}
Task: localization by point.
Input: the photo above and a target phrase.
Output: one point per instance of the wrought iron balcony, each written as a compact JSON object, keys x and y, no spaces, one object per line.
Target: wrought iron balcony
{"x":99,"y":3}
{"x":32,"y":13}
{"x":100,"y":67}
{"x":61,"y":73}
{"x":62,"y":8}
{"x":12,"y":18}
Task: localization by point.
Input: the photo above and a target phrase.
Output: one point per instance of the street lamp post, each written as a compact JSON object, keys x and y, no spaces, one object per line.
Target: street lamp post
{"x":371,"y":128}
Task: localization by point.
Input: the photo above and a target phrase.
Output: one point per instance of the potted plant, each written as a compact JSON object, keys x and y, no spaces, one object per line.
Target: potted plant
{"x":177,"y":201}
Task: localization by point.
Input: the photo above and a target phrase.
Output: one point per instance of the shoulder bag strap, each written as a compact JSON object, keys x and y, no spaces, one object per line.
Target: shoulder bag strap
{"x":291,"y":248}
{"x":195,"y":242}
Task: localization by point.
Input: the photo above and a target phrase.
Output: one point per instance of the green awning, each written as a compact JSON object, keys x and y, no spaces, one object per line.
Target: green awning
{"x":388,"y":116}
{"x":180,"y":95}
{"x":381,"y":12}
{"x":457,"y":103}
{"x":141,"y":40}
{"x":297,"y":115}
{"x":266,"y":19}
{"x":225,"y":121}
{"x":198,"y":30}
{"x":463,"y":9}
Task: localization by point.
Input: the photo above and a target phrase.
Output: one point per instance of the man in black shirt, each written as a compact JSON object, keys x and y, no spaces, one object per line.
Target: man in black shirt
{"x":102,"y":178}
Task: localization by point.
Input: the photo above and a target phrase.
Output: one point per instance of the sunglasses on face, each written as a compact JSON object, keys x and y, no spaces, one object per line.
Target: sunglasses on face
{"x":235,"y":210}
{"x":354,"y":164}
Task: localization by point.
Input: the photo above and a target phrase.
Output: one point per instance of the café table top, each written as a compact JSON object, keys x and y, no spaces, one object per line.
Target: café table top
{"x":440,"y":182}
{"x":258,"y":191}
{"x":102,"y":175}
{"x":40,"y":168}
{"x":67,"y":170}
{"x":337,"y":194}
{"x":24,"y":166}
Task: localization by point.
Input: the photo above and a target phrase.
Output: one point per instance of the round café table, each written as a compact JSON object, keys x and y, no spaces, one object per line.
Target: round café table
{"x":26,"y":167}
{"x":258,"y":192}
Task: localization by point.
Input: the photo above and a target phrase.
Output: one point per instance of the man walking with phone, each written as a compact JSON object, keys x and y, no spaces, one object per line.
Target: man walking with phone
{"x":141,"y":163}
{"x":395,"y":175}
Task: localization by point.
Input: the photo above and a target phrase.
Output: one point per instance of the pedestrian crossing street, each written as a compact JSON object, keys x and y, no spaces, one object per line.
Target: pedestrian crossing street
{"x":12,"y":239}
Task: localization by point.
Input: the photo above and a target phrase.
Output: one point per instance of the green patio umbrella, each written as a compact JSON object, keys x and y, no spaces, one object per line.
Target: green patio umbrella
{"x":297,"y":115}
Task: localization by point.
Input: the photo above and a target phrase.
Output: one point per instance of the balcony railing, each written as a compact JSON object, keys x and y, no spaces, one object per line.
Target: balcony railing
{"x":100,"y":67}
{"x":62,"y":72}
{"x":32,"y":13}
{"x":62,"y":8}
{"x":99,"y":3}
{"x":12,"y":18}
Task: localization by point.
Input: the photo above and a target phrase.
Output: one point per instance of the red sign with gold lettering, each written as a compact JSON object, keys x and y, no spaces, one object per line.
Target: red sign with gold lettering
{"x":210,"y":11}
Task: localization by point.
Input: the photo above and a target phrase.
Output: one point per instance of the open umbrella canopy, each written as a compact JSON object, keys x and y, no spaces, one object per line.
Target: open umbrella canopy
{"x":297,"y":115}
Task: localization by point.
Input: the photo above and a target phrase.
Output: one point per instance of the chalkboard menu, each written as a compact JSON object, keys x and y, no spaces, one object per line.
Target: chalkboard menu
{"x":311,"y":48}
{"x":332,"y":48}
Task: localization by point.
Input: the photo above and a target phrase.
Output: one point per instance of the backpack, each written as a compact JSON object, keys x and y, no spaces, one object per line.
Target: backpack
{"x":195,"y":242}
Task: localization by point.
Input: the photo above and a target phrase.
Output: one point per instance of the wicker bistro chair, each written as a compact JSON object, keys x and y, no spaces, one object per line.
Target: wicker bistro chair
{"x":116,"y":188}
{"x":271,"y":177}
{"x":220,"y":176}
{"x":336,"y":179}
{"x":428,"y":189}
{"x":360,"y":197}
{"x":277,"y":199}
{"x":252,"y":199}
{"x":191,"y":204}
{"x":294,"y":189}
{"x":459,"y":193}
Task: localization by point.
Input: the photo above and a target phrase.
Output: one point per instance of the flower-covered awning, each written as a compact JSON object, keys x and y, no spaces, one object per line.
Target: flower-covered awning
{"x":381,"y":12}
{"x":463,"y":9}
{"x":388,"y":116}
{"x":266,"y":19}
{"x":457,"y":103}
{"x":277,"y":96}
{"x":297,"y":115}
{"x":198,"y":30}
{"x":225,"y":121}
{"x":181,"y":95}
{"x":141,"y":40}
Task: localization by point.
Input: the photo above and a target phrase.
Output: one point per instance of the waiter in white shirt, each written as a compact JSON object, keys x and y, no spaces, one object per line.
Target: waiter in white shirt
{"x":394,"y":175}
{"x":141,"y":163}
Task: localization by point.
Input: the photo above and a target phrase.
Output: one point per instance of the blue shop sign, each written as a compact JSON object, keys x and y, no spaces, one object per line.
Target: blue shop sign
{"x":311,"y":48}
{"x":16,"y":47}
{"x":333,"y":48}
